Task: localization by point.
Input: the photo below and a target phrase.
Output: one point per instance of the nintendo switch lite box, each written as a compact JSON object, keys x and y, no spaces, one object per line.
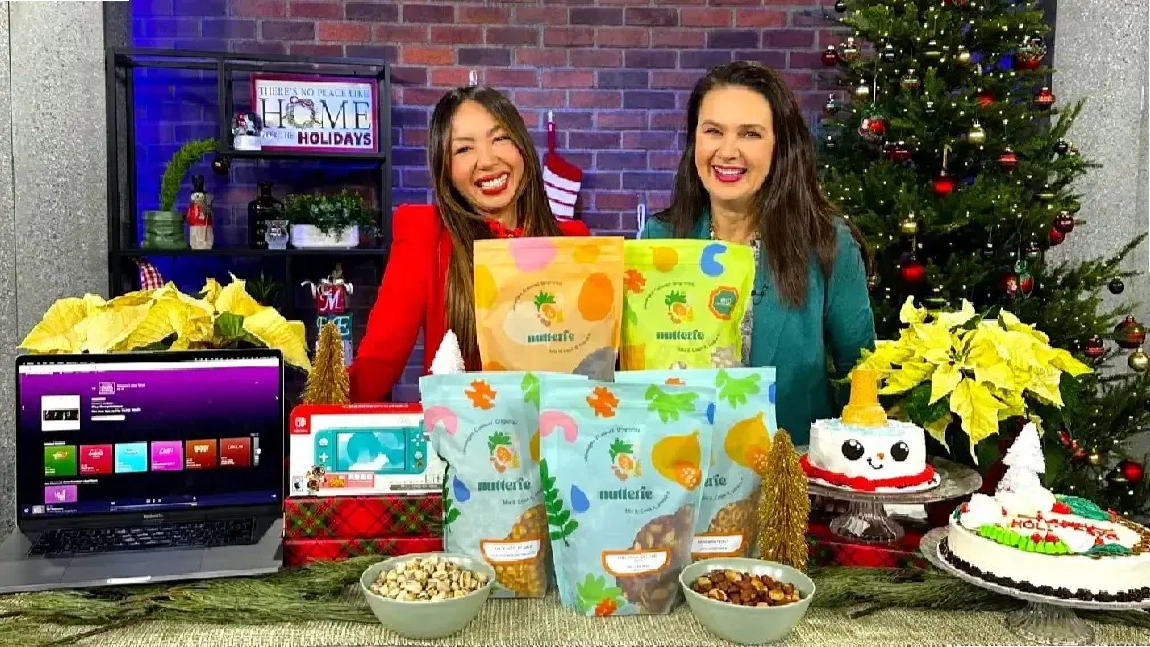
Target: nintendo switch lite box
{"x":361,"y":449}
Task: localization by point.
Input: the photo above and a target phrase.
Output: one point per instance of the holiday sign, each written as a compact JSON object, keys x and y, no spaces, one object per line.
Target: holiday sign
{"x":316,"y":114}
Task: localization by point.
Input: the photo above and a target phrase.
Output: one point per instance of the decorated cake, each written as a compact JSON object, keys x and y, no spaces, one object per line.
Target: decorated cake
{"x":866,"y":451}
{"x":1030,"y":539}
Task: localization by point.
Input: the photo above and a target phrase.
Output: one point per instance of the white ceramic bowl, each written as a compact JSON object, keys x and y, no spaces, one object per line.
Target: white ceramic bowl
{"x":747,"y":625}
{"x":424,"y":620}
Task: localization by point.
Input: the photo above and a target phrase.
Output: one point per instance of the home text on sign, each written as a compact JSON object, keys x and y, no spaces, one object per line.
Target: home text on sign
{"x":315,"y":114}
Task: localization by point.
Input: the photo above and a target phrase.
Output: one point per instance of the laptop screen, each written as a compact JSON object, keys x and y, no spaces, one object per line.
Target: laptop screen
{"x":148,"y":432}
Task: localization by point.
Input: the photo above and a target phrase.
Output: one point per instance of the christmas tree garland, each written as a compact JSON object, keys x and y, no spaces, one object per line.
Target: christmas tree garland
{"x":320,"y":592}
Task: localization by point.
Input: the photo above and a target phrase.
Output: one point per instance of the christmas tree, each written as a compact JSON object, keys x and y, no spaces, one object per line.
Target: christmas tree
{"x":1024,"y":462}
{"x":328,"y":382}
{"x":784,"y":506}
{"x":948,"y":151}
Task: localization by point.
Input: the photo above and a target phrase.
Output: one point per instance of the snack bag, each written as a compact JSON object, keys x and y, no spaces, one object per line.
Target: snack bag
{"x":549,"y":304}
{"x":744,"y":423}
{"x":623,"y":470}
{"x":485,"y":427}
{"x":684,"y":302}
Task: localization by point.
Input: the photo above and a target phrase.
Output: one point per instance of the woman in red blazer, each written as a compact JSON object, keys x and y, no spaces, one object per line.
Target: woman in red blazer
{"x":488,"y":184}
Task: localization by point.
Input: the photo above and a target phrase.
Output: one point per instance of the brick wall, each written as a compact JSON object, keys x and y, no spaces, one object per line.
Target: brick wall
{"x":617,"y":73}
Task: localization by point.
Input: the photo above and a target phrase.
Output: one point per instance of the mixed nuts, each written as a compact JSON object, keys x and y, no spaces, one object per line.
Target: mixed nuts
{"x":745,"y":589}
{"x":429,"y":579}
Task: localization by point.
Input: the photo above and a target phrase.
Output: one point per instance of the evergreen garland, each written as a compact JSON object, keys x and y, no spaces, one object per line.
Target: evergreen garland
{"x":177,"y":169}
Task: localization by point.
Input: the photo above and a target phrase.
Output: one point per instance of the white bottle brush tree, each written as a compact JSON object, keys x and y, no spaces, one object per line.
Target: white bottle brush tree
{"x":1024,"y":462}
{"x":448,"y":358}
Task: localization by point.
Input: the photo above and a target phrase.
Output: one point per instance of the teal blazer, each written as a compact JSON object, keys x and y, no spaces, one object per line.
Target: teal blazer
{"x":836,"y":321}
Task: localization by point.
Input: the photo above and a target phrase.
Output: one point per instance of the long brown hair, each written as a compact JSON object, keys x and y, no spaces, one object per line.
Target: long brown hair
{"x":463,"y":223}
{"x":792,"y":214}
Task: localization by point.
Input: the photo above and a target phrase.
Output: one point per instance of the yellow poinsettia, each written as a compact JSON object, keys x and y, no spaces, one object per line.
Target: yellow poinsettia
{"x":985,"y":368}
{"x":167,"y":318}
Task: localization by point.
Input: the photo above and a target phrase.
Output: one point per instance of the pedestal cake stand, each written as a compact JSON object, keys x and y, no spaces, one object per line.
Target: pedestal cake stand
{"x":1045,"y":620}
{"x":867,"y":521}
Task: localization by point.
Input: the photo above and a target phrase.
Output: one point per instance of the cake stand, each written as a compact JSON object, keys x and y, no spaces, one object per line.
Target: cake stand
{"x":866,"y":519}
{"x":1045,"y":620}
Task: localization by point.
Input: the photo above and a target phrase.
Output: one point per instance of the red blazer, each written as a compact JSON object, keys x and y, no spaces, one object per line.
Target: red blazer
{"x":411,"y":296}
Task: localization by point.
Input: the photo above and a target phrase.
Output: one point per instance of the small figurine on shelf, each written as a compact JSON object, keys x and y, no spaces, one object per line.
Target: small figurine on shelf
{"x":331,"y":295}
{"x":200,"y":216}
{"x":246,"y":132}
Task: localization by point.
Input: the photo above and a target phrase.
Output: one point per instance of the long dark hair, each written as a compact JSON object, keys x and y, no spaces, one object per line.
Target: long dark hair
{"x":792,"y":214}
{"x":463,"y":223}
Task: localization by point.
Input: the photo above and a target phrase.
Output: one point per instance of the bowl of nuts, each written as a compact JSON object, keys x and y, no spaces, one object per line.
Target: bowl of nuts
{"x":746,"y":601}
{"x":427,"y":595}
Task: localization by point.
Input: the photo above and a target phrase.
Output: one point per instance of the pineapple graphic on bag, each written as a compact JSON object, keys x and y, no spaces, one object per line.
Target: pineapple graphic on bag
{"x":677,"y":308}
{"x":547,"y":309}
{"x":503,"y":454}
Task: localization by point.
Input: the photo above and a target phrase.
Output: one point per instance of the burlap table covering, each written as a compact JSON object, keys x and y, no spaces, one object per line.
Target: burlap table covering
{"x":543,"y":623}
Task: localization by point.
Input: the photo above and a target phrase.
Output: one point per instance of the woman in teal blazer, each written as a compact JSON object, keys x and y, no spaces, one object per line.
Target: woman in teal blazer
{"x":748,"y":176}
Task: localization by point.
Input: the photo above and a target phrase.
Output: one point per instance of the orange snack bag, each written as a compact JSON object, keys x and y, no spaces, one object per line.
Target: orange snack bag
{"x":549,"y":304}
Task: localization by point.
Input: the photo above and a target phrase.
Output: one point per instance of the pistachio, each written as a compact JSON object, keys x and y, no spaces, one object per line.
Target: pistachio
{"x":429,"y":579}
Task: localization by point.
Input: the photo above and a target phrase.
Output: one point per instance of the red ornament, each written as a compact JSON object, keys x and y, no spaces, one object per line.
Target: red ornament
{"x":1007,"y":161}
{"x":1064,"y":222}
{"x":1132,"y":471}
{"x":830,"y":56}
{"x":912,"y":271}
{"x":944,"y":185}
{"x":1094,"y":348}
{"x":1056,"y":237}
{"x":1044,"y":99}
{"x":985,"y":98}
{"x":1015,"y":285}
{"x":872,"y":128}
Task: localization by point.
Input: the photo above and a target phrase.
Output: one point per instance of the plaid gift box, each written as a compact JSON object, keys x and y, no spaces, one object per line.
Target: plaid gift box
{"x":301,"y":551}
{"x":828,"y":549}
{"x":363,"y":517}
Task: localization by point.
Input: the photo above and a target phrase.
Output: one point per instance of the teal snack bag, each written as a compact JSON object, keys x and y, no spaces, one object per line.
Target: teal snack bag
{"x":485,"y":426}
{"x":623,"y":467}
{"x":744,"y":423}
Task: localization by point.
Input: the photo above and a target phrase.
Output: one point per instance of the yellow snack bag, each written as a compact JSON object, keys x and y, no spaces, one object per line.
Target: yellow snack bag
{"x":683,"y":303}
{"x":549,"y":304}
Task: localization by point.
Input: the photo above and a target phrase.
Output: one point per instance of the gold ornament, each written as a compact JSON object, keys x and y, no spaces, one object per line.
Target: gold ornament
{"x":1094,"y":458}
{"x":908,"y":226}
{"x":977,"y":135}
{"x":1139,"y":361}
{"x":849,"y":51}
{"x":862,"y":92}
{"x":784,"y":506}
{"x":872,"y":281}
{"x":327,"y":383}
{"x":962,"y":56}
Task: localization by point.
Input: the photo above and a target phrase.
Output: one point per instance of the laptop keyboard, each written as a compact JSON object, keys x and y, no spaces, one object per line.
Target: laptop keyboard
{"x":199,"y":534}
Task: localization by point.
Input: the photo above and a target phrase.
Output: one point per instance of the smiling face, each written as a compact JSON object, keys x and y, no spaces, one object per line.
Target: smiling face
{"x":486,"y":166}
{"x":734,"y":144}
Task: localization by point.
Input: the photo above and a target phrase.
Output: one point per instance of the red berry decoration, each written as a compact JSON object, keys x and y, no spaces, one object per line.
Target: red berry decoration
{"x":1036,"y":538}
{"x":912,"y":271}
{"x":944,"y":185}
{"x":1094,"y":348}
{"x":1007,"y":161}
{"x":1044,"y":99}
{"x":1064,"y":222}
{"x":1056,"y":237}
{"x":830,"y":56}
{"x":1051,"y":537}
{"x":1132,"y":471}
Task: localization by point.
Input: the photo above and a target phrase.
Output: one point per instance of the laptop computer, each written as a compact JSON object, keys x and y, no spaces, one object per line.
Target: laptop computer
{"x":146,"y":467}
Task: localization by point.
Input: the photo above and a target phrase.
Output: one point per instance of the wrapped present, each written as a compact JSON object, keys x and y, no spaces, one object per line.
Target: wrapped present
{"x":363,"y":517}
{"x":301,"y":551}
{"x":828,"y":549}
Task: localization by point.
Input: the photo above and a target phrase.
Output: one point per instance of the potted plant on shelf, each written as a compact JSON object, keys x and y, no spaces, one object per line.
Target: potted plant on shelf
{"x":165,"y":318}
{"x":164,"y":227}
{"x":327,"y":221}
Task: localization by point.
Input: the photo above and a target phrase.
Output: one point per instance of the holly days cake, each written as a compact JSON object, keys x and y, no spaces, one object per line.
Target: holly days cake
{"x":864,"y":450}
{"x":1047,"y":544}
{"x":1030,"y":539}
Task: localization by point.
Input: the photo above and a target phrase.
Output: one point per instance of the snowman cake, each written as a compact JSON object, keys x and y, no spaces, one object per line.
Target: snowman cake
{"x":864,"y":450}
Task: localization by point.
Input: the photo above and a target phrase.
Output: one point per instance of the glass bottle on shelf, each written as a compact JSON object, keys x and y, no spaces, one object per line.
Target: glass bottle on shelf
{"x":260,"y":211}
